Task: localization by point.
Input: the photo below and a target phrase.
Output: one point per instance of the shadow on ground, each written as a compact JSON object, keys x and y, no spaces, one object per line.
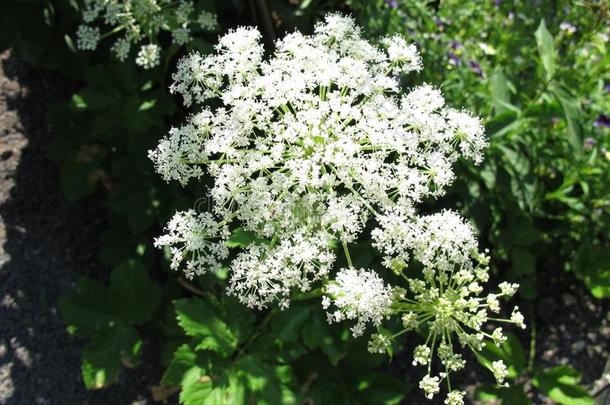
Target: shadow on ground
{"x":46,"y":243}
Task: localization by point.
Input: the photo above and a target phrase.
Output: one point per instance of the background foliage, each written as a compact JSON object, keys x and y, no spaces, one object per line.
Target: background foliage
{"x":540,"y":201}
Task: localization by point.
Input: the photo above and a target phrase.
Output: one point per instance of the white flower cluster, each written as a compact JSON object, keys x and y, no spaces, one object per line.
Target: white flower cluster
{"x":308,"y":150}
{"x":359,"y":295}
{"x":138,"y":21}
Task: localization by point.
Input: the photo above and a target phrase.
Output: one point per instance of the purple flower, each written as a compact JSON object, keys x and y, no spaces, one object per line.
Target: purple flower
{"x":476,"y":68}
{"x":455,"y":44}
{"x":589,"y":143}
{"x":454,"y":60}
{"x":440,"y":24}
{"x":391,"y":3}
{"x":602,"y":121}
{"x":607,"y":87}
{"x":498,"y":2}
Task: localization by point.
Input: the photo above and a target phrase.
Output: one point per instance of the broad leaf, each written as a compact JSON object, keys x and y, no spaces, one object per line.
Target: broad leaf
{"x":86,"y":310}
{"x":561,"y":385}
{"x":198,"y":319}
{"x":132,"y":294}
{"x":101,"y":359}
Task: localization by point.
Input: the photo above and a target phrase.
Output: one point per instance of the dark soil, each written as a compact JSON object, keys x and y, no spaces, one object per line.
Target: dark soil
{"x":46,"y":243}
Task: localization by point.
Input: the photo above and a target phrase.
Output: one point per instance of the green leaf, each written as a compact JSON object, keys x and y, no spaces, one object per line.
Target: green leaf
{"x":241,"y":321}
{"x":381,"y":388}
{"x":288,"y":324}
{"x":196,"y":387}
{"x":198,"y":319}
{"x":546,"y":49}
{"x":592,"y":264}
{"x":268,"y":383}
{"x":573,"y":115}
{"x":86,"y":310}
{"x":561,"y":385}
{"x":241,"y":238}
{"x":318,"y":334}
{"x":513,"y":395}
{"x":78,"y":179}
{"x":500,"y":95}
{"x":101,"y":359}
{"x":502,"y":124}
{"x":523,"y":271}
{"x":184,"y":359}
{"x":132,"y":294}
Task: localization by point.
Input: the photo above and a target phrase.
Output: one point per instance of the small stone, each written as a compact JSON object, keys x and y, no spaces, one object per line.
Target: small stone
{"x":578,"y":346}
{"x":568,"y":299}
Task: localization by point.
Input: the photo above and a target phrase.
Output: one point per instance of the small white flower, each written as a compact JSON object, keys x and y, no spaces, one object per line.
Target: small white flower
{"x":409,"y":321}
{"x":87,"y":37}
{"x":378,"y":343}
{"x":567,"y":27}
{"x":517,"y":318}
{"x":359,"y":295}
{"x":403,"y":56}
{"x":183,"y":11}
{"x":455,"y":398}
{"x":208,"y":21}
{"x":421,"y":355}
{"x":508,"y":289}
{"x":498,"y":337}
{"x":430,"y":386}
{"x":197,"y":239}
{"x":121,"y":48}
{"x":181,"y":36}
{"x":149,"y":56}
{"x":498,"y":368}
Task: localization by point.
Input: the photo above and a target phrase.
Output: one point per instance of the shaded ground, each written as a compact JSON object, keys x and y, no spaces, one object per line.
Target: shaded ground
{"x":45,"y":244}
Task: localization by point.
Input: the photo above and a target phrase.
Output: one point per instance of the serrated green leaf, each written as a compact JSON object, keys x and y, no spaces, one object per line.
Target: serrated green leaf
{"x":132,"y":294}
{"x":196,"y":387}
{"x":198,"y":319}
{"x":101,"y":358}
{"x":241,"y":321}
{"x":86,"y":310}
{"x":183,"y":360}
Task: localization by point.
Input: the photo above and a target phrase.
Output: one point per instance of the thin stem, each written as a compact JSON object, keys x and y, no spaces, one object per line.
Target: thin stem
{"x":191,"y":287}
{"x":347,"y":255}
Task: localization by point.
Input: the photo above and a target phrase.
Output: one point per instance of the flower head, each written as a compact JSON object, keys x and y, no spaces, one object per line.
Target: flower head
{"x":87,"y":37}
{"x":359,"y":295}
{"x":149,"y":56}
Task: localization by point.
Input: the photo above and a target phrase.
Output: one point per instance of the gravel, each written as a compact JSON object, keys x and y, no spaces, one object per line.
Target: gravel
{"x":46,"y":243}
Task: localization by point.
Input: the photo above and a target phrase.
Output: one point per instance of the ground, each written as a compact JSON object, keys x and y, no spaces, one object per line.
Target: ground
{"x":46,"y":243}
